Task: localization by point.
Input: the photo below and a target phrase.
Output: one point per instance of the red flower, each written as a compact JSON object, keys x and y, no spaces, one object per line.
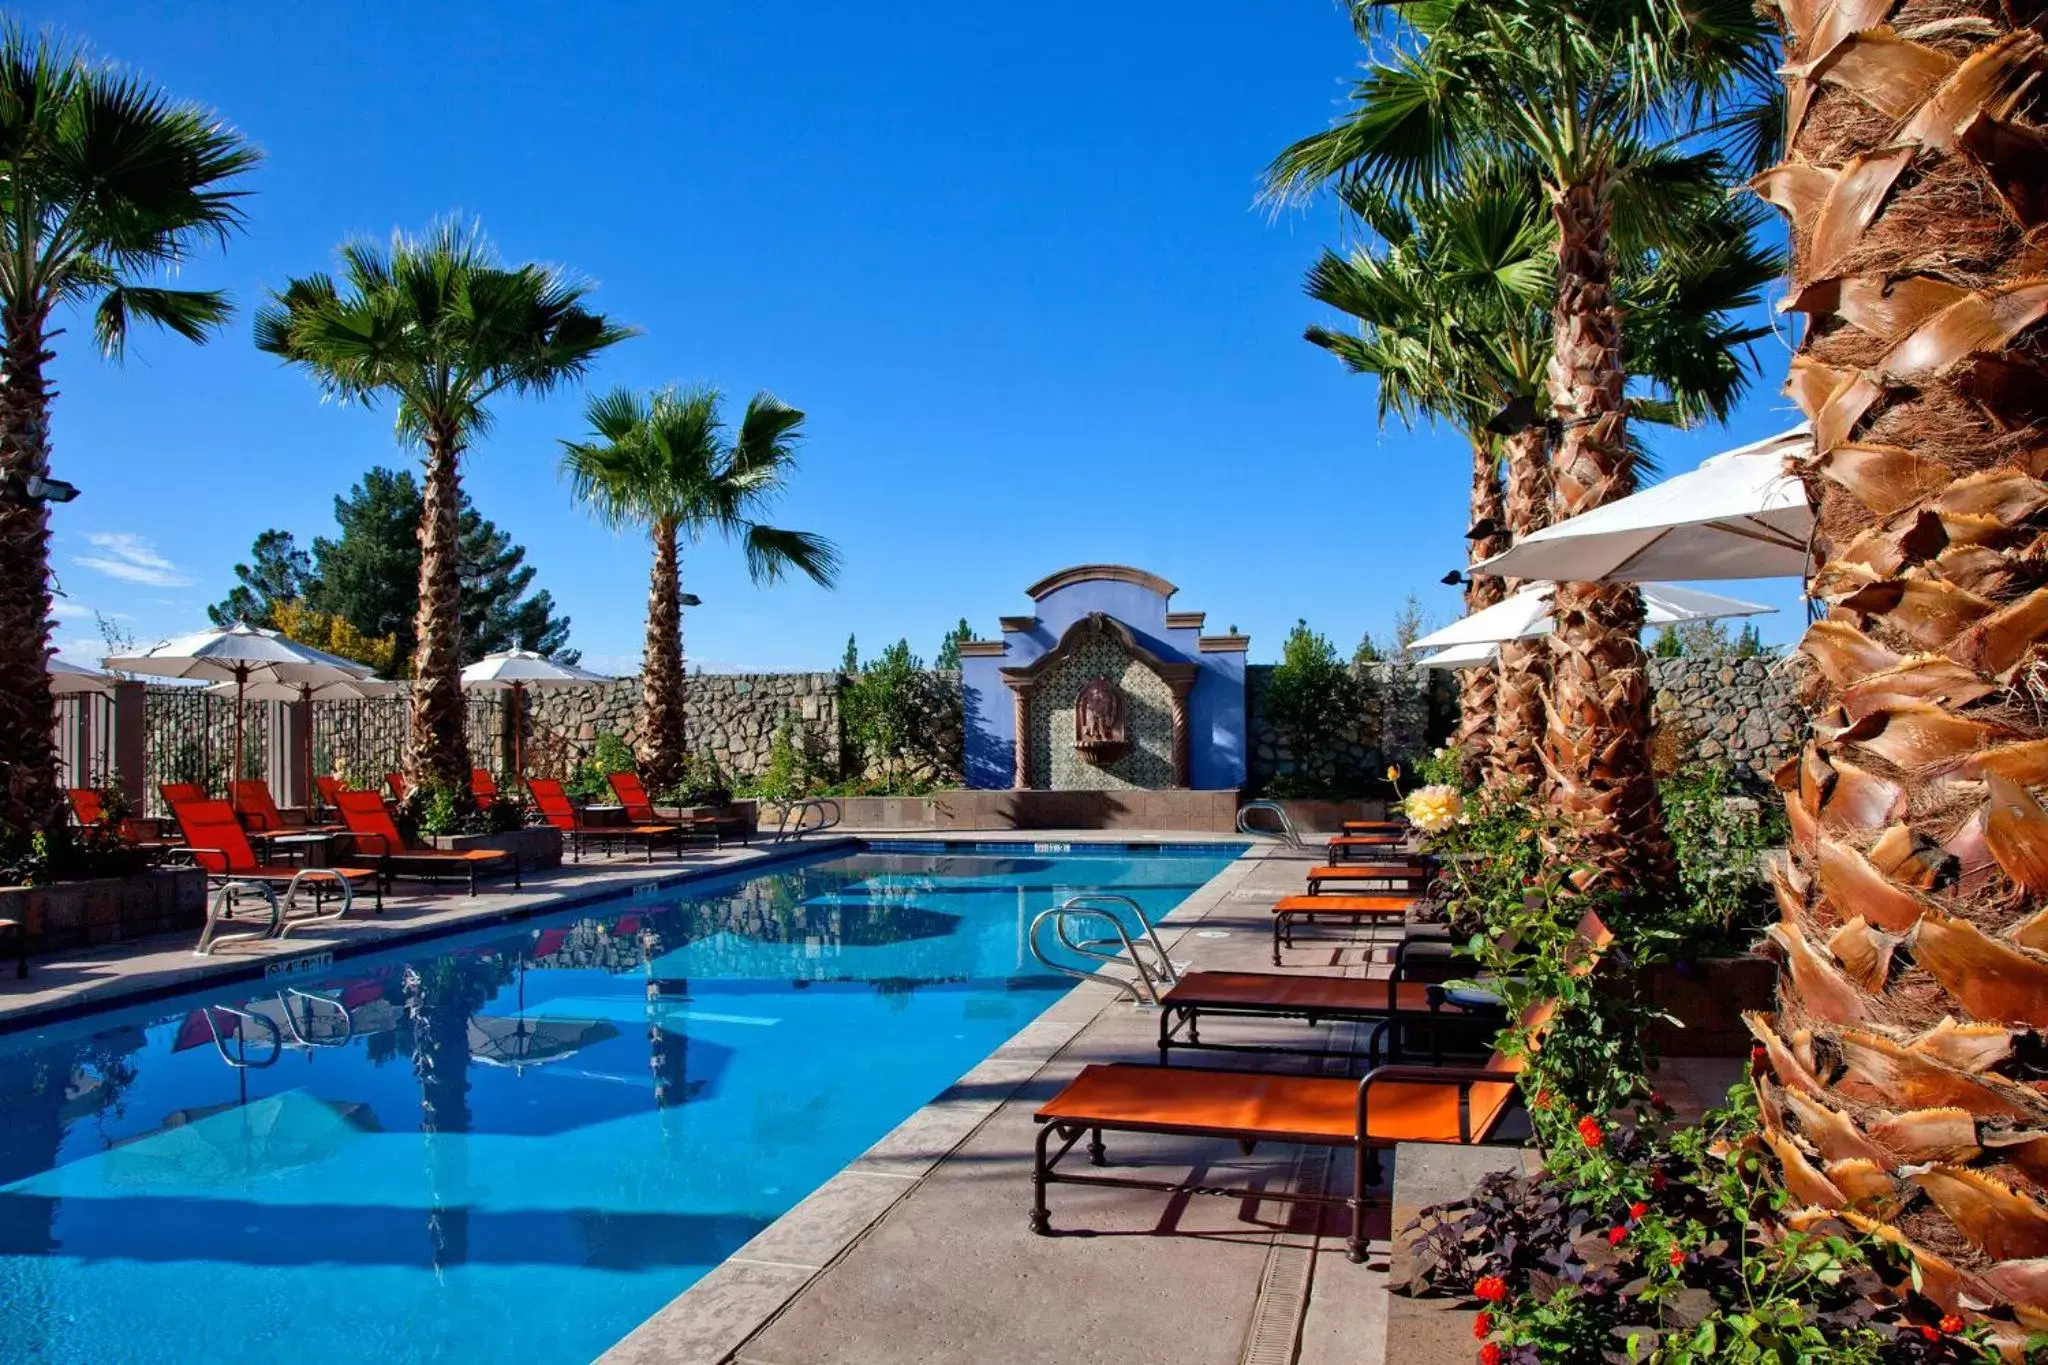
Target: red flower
{"x":1677,"y":1256}
{"x":1757,"y":1055}
{"x":1930,"y":1334}
{"x":1951,"y":1324}
{"x":1657,"y":1098}
{"x":1658,"y":1180}
{"x":1615,"y":1236}
{"x":1491,"y":1288}
{"x":1490,"y":1353}
{"x":1638,"y":1209}
{"x":1482,"y":1326}
{"x":1542,"y":1099}
{"x":1590,"y":1134}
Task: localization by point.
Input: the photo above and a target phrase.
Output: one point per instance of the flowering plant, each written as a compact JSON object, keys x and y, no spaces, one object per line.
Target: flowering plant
{"x":1433,"y":809}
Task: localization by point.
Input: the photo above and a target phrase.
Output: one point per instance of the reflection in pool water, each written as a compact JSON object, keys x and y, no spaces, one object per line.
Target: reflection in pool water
{"x":513,"y":1145}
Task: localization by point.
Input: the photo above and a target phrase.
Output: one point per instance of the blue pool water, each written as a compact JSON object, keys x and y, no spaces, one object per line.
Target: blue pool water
{"x":523,"y":1141}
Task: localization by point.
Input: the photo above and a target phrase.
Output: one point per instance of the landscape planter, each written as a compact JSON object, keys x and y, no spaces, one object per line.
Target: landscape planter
{"x":538,"y":846}
{"x":1708,"y":996}
{"x":102,"y":910}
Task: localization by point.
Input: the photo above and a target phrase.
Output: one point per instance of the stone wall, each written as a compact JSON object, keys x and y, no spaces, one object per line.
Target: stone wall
{"x":1740,"y":710}
{"x":731,"y":715}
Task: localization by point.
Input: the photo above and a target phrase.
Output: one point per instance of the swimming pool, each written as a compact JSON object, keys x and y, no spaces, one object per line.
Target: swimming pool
{"x":519,"y":1143}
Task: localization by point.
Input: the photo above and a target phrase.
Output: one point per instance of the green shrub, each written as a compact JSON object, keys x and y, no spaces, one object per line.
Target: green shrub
{"x":1719,"y":838}
{"x":899,"y":718}
{"x":1313,"y":700}
{"x":590,"y":779}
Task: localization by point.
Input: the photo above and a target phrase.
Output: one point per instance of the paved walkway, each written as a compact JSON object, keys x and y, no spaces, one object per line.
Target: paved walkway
{"x":920,"y":1252}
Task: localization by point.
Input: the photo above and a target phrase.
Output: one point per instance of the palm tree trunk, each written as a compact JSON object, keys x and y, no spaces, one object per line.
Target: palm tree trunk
{"x":437,"y":750}
{"x":662,"y":734}
{"x":1478,"y":689}
{"x":1596,"y":743}
{"x":1516,"y":758}
{"x":439,"y":1020}
{"x":1916,"y":819}
{"x":30,"y":800}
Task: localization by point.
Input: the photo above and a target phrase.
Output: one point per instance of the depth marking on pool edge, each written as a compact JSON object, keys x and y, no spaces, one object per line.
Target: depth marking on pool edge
{"x":309,"y":965}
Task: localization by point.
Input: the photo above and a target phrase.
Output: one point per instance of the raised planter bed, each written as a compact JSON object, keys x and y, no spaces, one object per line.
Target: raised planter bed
{"x":1203,"y":811}
{"x":538,"y":846}
{"x":103,"y":910}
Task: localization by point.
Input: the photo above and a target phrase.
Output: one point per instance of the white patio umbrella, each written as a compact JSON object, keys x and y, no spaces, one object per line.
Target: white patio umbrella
{"x":68,"y":679}
{"x":515,"y":670}
{"x":1461,"y":656}
{"x":341,"y":689}
{"x":1526,"y":615}
{"x":240,"y":654}
{"x":1739,"y":515}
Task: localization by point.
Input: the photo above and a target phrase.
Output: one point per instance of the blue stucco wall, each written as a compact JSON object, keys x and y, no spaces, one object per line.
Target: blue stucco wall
{"x":1216,"y":705}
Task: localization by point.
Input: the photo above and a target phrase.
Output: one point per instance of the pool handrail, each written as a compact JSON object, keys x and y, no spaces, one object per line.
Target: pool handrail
{"x":1287,"y":833}
{"x":827,"y":818}
{"x":1144,"y":987}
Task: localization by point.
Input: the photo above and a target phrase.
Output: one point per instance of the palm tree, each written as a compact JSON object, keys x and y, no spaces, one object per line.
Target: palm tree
{"x":1583,"y":91}
{"x":1902,"y":1078}
{"x":105,"y":183}
{"x":666,"y":463}
{"x":439,"y":326}
{"x":1453,"y":319}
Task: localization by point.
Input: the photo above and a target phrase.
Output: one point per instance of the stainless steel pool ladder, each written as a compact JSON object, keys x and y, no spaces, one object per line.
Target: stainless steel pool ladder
{"x":827,"y":810}
{"x":1287,"y":833}
{"x":228,"y":897}
{"x":239,"y":1059}
{"x":1119,"y":948}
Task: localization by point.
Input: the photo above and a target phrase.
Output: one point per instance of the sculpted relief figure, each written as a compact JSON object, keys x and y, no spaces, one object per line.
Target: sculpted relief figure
{"x":1099,"y":731}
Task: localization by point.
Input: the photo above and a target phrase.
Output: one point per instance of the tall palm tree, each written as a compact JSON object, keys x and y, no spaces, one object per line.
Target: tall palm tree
{"x":1444,"y":296}
{"x":1584,"y":91}
{"x":1453,"y":312}
{"x":440,"y":327}
{"x":666,"y":463}
{"x":105,"y":184}
{"x":1903,"y":1065}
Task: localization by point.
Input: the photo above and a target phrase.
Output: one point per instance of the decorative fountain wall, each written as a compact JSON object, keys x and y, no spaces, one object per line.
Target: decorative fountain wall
{"x":1102,"y":688}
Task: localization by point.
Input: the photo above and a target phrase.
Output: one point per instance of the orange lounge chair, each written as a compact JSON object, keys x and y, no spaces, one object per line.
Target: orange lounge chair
{"x":1373,"y":910}
{"x":1460,"y":1106}
{"x":1374,"y":827}
{"x":259,"y":812}
{"x":1367,"y":847}
{"x":400,"y":788}
{"x":632,"y":794}
{"x":1390,"y":1004}
{"x":483,"y":786}
{"x":557,"y":810}
{"x":1412,"y":876}
{"x":375,"y":836}
{"x":215,"y":841}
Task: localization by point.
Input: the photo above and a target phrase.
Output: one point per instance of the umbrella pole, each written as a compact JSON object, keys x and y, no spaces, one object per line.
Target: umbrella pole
{"x":235,"y":759}
{"x":518,"y":733}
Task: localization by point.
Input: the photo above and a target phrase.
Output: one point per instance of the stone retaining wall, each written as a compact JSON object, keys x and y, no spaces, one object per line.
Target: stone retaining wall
{"x":1739,"y":710}
{"x":732,"y":715}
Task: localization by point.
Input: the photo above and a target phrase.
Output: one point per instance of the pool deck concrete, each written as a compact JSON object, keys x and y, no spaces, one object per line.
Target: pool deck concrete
{"x":919,"y":1250}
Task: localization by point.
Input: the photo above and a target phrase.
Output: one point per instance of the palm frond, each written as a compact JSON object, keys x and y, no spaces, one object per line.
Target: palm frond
{"x":194,"y":314}
{"x":772,"y":552}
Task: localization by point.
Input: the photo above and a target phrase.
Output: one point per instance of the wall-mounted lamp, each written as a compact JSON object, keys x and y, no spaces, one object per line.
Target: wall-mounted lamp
{"x":1453,"y":579}
{"x":690,"y":599}
{"x":41,"y":488}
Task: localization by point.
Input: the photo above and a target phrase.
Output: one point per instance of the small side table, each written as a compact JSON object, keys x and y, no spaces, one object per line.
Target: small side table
{"x":307,"y":850}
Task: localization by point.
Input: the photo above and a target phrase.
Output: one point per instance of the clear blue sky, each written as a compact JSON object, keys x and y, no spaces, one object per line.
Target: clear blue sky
{"x":1008,"y":260}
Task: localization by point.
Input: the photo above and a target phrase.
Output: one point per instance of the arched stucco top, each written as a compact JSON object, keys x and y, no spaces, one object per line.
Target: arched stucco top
{"x":1090,"y":573}
{"x":1177,"y":675}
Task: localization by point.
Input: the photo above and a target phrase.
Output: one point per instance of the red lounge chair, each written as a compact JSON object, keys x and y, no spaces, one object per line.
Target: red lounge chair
{"x":639,"y":807}
{"x":400,"y":788}
{"x":89,"y":812}
{"x":259,"y":811}
{"x":215,"y":841}
{"x":557,"y":810}
{"x":329,"y":790}
{"x":1394,"y":1104}
{"x":483,"y":786}
{"x":1375,"y":910}
{"x":174,"y":792}
{"x":375,"y":836}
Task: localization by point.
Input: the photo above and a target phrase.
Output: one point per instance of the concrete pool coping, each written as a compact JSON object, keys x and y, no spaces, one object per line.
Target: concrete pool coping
{"x":714,"y":1318}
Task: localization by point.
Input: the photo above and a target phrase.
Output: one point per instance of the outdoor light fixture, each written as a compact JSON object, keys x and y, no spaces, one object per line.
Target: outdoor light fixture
{"x":40,"y":488}
{"x":1483,"y":528}
{"x":690,"y":599}
{"x":1519,"y":415}
{"x":1452,"y":579}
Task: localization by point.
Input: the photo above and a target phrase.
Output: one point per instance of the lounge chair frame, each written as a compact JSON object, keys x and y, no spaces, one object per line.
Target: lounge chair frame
{"x":1385,"y":906}
{"x":423,"y":865}
{"x":1180,"y":1020}
{"x":1365,"y":1150}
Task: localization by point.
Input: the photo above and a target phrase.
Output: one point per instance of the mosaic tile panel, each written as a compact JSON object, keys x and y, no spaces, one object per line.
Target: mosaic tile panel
{"x":1148,"y":719}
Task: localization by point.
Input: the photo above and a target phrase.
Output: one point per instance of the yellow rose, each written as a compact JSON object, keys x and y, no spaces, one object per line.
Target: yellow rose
{"x":1433,"y":809}
{"x":1393,"y":772}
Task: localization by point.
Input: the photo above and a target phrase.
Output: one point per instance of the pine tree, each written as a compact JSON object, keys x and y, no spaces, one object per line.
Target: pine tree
{"x":850,"y":663}
{"x":278,"y":571}
{"x":949,"y":647}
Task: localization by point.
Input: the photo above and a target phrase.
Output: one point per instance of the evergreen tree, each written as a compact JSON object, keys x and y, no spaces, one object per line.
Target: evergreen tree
{"x":368,"y":576}
{"x":850,"y":663}
{"x":278,"y":571}
{"x":949,"y":647}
